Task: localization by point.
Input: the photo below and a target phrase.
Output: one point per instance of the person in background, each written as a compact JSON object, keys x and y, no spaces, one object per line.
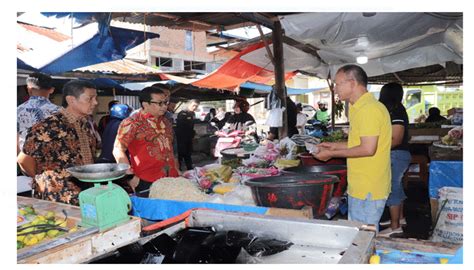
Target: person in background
{"x":391,"y":96}
{"x":220,"y":113}
{"x":37,"y":107}
{"x":322,"y":114}
{"x":434,"y":115}
{"x":185,"y":133}
{"x":241,"y":118}
{"x":118,"y":112}
{"x":148,"y":137}
{"x":106,"y":118}
{"x":367,"y":149}
{"x":62,"y":140}
{"x":210,"y":115}
{"x":300,"y":119}
{"x":291,"y":112}
{"x":211,"y":121}
{"x":171,"y":117}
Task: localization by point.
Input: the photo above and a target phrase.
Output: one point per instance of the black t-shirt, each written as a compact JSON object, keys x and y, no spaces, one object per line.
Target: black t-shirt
{"x":398,"y":116}
{"x":185,"y":124}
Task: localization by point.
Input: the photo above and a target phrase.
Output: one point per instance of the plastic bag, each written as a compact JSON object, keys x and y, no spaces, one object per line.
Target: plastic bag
{"x":240,"y":195}
{"x":275,"y":118}
{"x":273,"y":100}
{"x":290,"y":147}
{"x":449,"y":227}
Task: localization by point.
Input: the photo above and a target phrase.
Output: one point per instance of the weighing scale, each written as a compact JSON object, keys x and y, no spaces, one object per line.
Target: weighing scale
{"x":102,"y":206}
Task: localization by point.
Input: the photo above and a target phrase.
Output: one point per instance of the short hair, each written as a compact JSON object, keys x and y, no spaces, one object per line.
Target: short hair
{"x":356,"y":72}
{"x":193,"y":101}
{"x":145,"y":94}
{"x":75,"y":88}
{"x":112,"y":103}
{"x":434,"y":111}
{"x":391,"y":94}
{"x":39,"y":81}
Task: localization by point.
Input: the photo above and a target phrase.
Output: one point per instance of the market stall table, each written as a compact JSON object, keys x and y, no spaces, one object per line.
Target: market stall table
{"x":81,"y":246}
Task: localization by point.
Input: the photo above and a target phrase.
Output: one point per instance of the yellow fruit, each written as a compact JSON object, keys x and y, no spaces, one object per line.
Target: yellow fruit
{"x":41,"y":218}
{"x":73,"y":229}
{"x":27,"y":230}
{"x":52,"y":233}
{"x":22,"y":212}
{"x":50,"y":215}
{"x":20,"y":238}
{"x":374,"y":259}
{"x":40,"y":236}
{"x":443,"y":260}
{"x":30,"y":240}
{"x":35,"y":221}
{"x":61,"y":223}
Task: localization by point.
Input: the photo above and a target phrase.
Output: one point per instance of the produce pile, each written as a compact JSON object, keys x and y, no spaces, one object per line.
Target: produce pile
{"x":178,"y":188}
{"x":454,"y":137}
{"x":335,"y":136}
{"x":33,"y":228}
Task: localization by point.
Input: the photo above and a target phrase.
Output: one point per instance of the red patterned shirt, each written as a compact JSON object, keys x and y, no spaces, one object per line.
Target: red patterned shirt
{"x":149,"y":141}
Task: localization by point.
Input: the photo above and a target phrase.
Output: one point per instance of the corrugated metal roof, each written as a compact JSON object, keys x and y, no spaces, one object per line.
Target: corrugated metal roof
{"x":193,"y":21}
{"x":122,"y":66}
{"x":54,"y":35}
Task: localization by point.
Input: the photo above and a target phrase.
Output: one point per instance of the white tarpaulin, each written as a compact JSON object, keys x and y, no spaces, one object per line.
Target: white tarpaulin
{"x":391,"y":41}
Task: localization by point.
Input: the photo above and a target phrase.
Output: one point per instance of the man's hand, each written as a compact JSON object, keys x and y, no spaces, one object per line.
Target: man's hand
{"x":129,"y":171}
{"x":323,"y":154}
{"x":133,"y":183}
{"x":327,"y":146}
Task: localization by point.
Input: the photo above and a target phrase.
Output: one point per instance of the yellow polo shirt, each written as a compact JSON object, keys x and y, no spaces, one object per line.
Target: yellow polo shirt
{"x":369,"y":117}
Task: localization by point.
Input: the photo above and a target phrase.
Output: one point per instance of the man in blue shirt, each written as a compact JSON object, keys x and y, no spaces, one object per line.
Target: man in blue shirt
{"x":37,"y":107}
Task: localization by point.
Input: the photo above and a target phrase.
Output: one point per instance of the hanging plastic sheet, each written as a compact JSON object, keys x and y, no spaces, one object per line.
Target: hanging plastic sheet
{"x":444,"y":174}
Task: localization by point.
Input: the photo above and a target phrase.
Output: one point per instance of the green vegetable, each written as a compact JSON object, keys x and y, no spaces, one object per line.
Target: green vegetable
{"x":335,"y":136}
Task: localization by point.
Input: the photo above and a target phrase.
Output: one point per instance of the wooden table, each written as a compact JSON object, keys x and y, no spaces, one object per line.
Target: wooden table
{"x":81,"y":246}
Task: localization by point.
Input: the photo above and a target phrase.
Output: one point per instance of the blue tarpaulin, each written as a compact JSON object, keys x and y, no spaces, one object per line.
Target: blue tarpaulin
{"x":59,"y":42}
{"x":444,"y":174}
{"x":157,"y":209}
{"x":268,"y":88}
{"x":99,"y":49}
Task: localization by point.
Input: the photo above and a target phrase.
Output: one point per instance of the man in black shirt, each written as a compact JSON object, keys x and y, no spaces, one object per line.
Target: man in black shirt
{"x":185,"y":133}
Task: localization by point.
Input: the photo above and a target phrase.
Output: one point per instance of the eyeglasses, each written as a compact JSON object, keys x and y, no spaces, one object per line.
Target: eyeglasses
{"x":160,"y":103}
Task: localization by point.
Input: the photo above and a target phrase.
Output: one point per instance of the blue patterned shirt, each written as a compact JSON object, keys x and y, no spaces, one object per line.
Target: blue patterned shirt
{"x":35,"y":109}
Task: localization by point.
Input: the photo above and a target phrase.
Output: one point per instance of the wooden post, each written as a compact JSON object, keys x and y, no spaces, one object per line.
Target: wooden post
{"x":277,"y":36}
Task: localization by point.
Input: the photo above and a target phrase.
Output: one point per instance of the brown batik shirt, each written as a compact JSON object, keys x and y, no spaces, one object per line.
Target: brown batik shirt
{"x":56,"y":143}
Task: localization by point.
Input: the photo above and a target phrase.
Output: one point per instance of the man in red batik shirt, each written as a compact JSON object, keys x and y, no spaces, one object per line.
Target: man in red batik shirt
{"x":148,"y":137}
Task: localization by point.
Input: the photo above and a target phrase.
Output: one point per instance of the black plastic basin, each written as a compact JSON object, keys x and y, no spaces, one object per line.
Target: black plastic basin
{"x":337,"y":170}
{"x":294,"y":191}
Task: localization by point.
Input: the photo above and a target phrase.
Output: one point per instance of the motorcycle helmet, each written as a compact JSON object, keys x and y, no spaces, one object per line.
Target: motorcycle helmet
{"x":120,"y":111}
{"x":322,"y":102}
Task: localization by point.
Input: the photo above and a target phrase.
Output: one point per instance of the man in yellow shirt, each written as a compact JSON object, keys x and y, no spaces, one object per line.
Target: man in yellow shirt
{"x":368,"y":147}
